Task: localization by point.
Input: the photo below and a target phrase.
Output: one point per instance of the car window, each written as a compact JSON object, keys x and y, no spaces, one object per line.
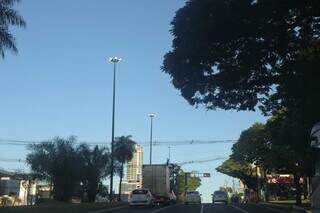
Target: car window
{"x":219,"y":193}
{"x":137,"y":192}
{"x":193,"y":193}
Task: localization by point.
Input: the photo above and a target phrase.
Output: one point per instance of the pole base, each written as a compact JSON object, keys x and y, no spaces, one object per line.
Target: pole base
{"x":315,"y":199}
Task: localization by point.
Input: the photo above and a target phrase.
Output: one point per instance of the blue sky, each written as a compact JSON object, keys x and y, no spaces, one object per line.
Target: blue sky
{"x":60,"y":83}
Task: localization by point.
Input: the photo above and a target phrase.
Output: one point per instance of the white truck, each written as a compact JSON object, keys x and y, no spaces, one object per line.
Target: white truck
{"x":156,"y":179}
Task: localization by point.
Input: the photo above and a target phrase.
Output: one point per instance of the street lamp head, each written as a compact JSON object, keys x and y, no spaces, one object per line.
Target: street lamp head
{"x":151,"y":115}
{"x":114,"y":59}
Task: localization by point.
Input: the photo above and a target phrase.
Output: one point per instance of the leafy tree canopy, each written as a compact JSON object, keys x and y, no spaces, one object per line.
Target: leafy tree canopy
{"x":252,"y":145}
{"x":95,"y":165}
{"x":233,"y":54}
{"x":69,"y":167}
{"x":240,"y":170}
{"x":193,"y":183}
{"x":58,"y":162}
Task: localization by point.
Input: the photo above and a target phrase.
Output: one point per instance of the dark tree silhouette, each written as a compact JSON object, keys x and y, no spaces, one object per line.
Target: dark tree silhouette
{"x":123,"y":152}
{"x":58,"y":162}
{"x":95,"y":165}
{"x":233,"y":54}
{"x":8,"y":17}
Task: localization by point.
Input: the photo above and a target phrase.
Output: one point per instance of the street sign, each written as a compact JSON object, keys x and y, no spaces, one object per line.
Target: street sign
{"x":315,"y":136}
{"x":206,"y":175}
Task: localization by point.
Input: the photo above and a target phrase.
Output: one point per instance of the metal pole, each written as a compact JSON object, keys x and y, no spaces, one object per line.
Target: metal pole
{"x":151,"y":127}
{"x":185,"y":183}
{"x":112,"y":134}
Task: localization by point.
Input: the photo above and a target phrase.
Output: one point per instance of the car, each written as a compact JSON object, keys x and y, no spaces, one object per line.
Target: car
{"x":220,"y":197}
{"x":193,"y":197}
{"x":141,"y":197}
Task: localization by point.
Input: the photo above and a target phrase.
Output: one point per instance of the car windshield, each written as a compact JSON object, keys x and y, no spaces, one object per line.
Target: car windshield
{"x":141,"y":191}
{"x":193,"y":193}
{"x":219,"y":193}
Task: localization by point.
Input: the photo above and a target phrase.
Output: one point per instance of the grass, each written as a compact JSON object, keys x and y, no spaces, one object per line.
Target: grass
{"x":58,"y":207}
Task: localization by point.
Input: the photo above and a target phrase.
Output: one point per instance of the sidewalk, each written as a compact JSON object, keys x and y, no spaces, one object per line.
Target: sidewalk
{"x":286,"y":206}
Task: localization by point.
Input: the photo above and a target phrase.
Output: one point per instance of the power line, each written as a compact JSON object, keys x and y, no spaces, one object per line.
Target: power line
{"x":179,"y":163}
{"x":12,"y":160}
{"x":202,"y":161}
{"x":10,"y":142}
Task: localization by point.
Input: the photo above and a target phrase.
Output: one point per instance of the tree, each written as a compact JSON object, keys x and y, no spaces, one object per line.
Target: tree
{"x":174,"y":173}
{"x":57,"y":161}
{"x":95,"y":165}
{"x":234,"y":54}
{"x":241,"y":170}
{"x":276,"y":147}
{"x":124,"y":148}
{"x":193,"y":183}
{"x":253,"y":146}
{"x":288,"y":135}
{"x":8,"y":17}
{"x":226,"y":189}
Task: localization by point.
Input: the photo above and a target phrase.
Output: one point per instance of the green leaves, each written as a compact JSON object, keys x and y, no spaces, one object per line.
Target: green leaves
{"x":124,"y":148}
{"x":63,"y":164}
{"x":241,"y":170}
{"x":243,"y":54}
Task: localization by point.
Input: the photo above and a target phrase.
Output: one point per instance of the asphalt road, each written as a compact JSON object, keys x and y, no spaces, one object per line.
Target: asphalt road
{"x":203,"y":208}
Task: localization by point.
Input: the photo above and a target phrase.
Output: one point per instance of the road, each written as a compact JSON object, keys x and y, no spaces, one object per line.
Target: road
{"x":203,"y":208}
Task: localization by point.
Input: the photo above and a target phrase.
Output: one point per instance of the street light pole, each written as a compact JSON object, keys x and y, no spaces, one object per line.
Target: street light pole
{"x":113,"y":60}
{"x":151,"y":129}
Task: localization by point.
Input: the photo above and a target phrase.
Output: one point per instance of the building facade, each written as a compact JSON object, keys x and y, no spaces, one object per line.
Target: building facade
{"x":134,"y":166}
{"x":134,"y":171}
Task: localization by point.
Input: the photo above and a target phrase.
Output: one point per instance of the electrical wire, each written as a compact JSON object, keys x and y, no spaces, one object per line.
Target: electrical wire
{"x":10,"y":142}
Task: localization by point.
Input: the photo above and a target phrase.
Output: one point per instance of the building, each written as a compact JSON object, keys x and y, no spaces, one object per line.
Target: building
{"x":134,"y":171}
{"x":134,"y":166}
{"x":17,"y":189}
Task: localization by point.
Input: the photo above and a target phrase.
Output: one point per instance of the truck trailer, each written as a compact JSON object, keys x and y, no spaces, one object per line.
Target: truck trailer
{"x":156,"y":179}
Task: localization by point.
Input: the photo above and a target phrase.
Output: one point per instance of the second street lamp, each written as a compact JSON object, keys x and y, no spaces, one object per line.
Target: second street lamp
{"x":113,"y":60}
{"x":151,"y":129}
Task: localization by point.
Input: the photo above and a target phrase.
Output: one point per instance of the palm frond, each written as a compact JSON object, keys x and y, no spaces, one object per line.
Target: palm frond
{"x":8,"y":3}
{"x":9,"y":17}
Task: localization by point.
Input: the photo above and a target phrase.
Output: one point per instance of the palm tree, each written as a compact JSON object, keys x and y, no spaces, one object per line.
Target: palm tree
{"x":8,"y":17}
{"x":95,"y":164}
{"x":123,"y":152}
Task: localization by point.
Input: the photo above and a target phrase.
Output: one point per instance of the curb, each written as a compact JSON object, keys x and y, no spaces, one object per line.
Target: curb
{"x":294,"y":207}
{"x":108,"y":209}
{"x":298,"y":208}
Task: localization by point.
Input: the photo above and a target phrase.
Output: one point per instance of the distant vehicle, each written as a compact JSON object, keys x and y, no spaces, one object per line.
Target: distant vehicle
{"x":141,"y":197}
{"x":193,"y":197}
{"x":156,"y":178}
{"x":220,"y":197}
{"x":101,"y":199}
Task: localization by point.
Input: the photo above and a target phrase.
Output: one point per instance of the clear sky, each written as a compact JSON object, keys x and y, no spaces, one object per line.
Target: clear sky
{"x":60,"y":83}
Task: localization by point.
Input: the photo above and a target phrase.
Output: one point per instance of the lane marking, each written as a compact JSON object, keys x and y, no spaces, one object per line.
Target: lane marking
{"x":201,"y":211}
{"x":244,"y":211}
{"x":108,"y":210}
{"x":164,"y":208}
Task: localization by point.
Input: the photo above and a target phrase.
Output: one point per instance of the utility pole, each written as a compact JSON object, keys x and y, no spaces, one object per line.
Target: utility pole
{"x":113,"y":60}
{"x":233,"y":186}
{"x":151,"y":132}
{"x":186,"y":183}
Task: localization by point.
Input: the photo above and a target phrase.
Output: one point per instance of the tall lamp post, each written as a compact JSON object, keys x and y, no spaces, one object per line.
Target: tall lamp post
{"x":151,"y":129}
{"x":113,"y":60}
